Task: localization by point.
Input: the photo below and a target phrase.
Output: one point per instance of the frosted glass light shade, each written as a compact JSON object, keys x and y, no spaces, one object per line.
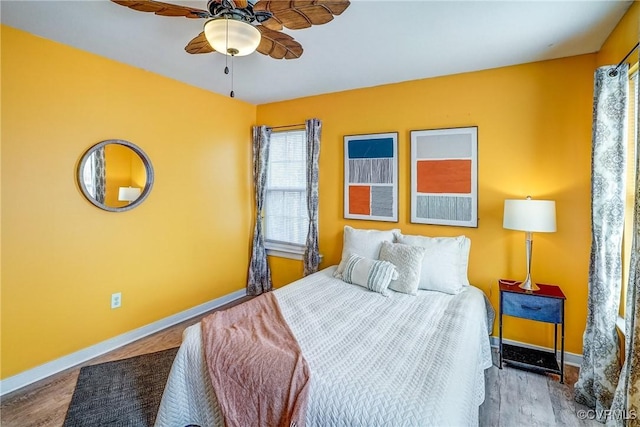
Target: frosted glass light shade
{"x":128,"y":194}
{"x":530,"y":215}
{"x":243,"y":38}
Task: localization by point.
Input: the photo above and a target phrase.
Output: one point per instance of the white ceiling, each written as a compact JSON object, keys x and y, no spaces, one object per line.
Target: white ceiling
{"x":371,"y":43}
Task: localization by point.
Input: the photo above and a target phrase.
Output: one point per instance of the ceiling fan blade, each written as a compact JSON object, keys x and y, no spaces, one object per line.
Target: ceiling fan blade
{"x":199,"y":44}
{"x":164,"y":9}
{"x":278,"y":45}
{"x":240,"y":4}
{"x":273,"y":24}
{"x":299,"y":14}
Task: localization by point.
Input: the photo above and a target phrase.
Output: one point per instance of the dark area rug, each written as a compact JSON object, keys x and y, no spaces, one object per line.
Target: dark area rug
{"x":124,"y":392}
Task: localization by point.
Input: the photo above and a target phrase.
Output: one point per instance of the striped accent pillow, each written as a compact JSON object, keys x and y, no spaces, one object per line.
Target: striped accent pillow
{"x":368,"y":273}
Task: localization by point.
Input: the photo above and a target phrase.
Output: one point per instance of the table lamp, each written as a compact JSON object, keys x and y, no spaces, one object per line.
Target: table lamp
{"x":128,"y":194}
{"x":530,"y":216}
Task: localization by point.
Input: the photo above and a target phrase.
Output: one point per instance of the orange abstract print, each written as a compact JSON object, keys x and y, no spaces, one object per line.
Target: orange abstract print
{"x":444,"y":176}
{"x":360,"y":200}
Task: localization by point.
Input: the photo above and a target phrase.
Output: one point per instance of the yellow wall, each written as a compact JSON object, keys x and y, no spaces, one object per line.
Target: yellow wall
{"x":534,"y":126}
{"x":622,"y":39}
{"x":124,"y":168}
{"x":62,"y":257}
{"x":121,"y":162}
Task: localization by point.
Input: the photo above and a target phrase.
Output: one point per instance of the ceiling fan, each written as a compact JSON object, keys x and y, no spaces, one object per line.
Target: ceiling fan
{"x":239,"y":27}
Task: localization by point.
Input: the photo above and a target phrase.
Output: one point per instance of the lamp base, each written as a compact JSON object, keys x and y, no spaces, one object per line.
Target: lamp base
{"x":528,"y":285}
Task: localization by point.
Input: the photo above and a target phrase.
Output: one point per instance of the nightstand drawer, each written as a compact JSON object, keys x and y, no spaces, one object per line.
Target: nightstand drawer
{"x":530,"y":306}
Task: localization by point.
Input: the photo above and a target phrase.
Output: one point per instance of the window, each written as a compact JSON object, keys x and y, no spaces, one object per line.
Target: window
{"x":88,"y":175}
{"x":630,"y":186}
{"x":286,"y":219}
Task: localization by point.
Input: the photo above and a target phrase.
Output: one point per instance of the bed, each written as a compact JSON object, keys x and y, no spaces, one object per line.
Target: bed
{"x":399,"y":360}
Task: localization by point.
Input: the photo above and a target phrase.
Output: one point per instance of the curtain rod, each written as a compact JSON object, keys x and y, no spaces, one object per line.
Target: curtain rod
{"x":614,"y":72}
{"x":288,"y":126}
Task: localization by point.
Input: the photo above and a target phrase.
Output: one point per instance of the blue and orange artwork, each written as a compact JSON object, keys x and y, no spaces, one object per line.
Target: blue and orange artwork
{"x":444,"y":176}
{"x":371,"y":177}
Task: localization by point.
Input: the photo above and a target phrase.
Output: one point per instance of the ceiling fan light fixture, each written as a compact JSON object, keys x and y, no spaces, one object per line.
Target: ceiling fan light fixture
{"x":242,"y":38}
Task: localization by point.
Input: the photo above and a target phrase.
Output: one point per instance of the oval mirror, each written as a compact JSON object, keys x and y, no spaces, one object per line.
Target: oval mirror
{"x":115,"y":175}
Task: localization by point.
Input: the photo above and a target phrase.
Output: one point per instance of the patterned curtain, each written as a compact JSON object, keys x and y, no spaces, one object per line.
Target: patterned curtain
{"x":259,"y":273}
{"x":600,"y":366}
{"x":99,"y":174}
{"x":626,"y":402}
{"x":311,"y":251}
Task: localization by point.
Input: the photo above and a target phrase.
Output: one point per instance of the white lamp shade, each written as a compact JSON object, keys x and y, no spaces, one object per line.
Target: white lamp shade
{"x":243,"y":37}
{"x":530,"y":215}
{"x":128,"y":194}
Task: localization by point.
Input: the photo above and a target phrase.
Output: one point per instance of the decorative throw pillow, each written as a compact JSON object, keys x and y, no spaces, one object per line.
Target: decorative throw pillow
{"x":408,"y":262}
{"x":365,"y":243}
{"x":368,"y":273}
{"x":445,"y":262}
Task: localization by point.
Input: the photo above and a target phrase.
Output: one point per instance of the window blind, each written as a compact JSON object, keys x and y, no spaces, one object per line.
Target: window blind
{"x":286,"y":218}
{"x":632,"y":152}
{"x":88,"y":174}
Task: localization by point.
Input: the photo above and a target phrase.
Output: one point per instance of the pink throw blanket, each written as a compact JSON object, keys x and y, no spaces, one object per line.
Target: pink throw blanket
{"x":256,"y":366}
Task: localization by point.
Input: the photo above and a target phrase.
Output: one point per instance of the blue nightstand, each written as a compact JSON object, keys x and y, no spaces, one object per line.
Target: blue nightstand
{"x":545,"y":305}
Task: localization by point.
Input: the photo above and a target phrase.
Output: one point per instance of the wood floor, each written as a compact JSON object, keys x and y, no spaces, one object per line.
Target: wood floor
{"x":45,"y":402}
{"x":513,"y":397}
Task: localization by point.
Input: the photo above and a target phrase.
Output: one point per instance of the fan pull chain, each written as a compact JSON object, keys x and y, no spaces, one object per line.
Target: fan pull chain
{"x":226,"y":47}
{"x":233,"y":95}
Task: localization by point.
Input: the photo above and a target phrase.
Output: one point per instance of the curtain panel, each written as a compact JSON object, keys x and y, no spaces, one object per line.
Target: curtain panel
{"x":626,"y":401}
{"x":259,"y":273}
{"x":100,"y":174}
{"x":311,"y":258}
{"x":601,"y":367}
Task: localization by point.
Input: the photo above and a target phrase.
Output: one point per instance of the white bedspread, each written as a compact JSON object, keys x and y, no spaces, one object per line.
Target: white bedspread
{"x":375,"y":361}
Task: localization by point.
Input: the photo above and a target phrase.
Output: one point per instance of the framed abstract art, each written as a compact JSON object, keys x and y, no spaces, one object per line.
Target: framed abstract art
{"x":371,"y":177}
{"x":444,"y":176}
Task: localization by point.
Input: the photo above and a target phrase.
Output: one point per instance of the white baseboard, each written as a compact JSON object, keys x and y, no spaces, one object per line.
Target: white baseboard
{"x":572,"y":359}
{"x":30,"y":376}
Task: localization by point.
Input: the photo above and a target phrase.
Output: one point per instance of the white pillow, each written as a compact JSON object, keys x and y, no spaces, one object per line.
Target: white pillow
{"x":445,"y":262}
{"x":365,"y":243}
{"x":368,"y":273}
{"x":408,"y":262}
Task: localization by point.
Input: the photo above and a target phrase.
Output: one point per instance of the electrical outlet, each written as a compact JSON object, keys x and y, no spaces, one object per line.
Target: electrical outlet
{"x":116,"y":300}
